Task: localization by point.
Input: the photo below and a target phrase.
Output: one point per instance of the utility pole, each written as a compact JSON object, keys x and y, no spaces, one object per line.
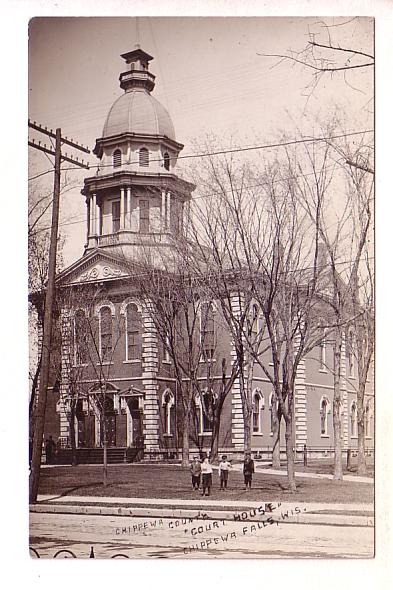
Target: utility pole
{"x":39,"y":411}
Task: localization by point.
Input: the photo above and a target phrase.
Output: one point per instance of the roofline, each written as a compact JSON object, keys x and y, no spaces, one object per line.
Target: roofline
{"x":138,"y":136}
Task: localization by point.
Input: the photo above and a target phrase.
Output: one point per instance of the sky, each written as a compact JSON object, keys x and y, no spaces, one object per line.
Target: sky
{"x":210,"y":75}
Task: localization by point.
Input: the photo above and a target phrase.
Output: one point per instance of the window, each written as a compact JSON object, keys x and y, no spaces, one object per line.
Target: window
{"x":207,"y":331}
{"x":115,"y":216}
{"x":105,"y":334}
{"x":166,"y":357}
{"x":205,"y":403}
{"x":254,"y":322}
{"x":324,"y":415}
{"x":133,"y":333}
{"x":367,"y":420}
{"x":166,"y":161}
{"x":354,"y":420}
{"x":167,"y":403}
{"x":143,"y":157}
{"x":144,"y":221}
{"x":322,"y":351}
{"x":257,"y":408}
{"x":80,"y":338}
{"x":351,"y":353}
{"x":116,"y":158}
{"x":273,"y":407}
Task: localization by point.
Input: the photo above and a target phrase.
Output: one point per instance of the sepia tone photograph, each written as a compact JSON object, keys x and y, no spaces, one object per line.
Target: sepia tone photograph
{"x":201,"y":287}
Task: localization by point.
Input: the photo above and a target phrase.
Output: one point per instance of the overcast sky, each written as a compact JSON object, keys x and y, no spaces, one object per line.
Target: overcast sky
{"x":208,"y":75}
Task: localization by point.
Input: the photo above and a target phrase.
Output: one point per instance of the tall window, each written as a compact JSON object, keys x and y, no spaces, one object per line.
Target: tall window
{"x":116,"y":158}
{"x":257,"y":408}
{"x":367,"y":420}
{"x":273,"y":411}
{"x":351,"y":353}
{"x":322,"y":351}
{"x":167,"y":404}
{"x":80,"y":338}
{"x":115,"y":216}
{"x":144,"y":221}
{"x":207,"y":412}
{"x":354,"y":420}
{"x":143,"y":157}
{"x":106,"y":334}
{"x":207,"y":331}
{"x":324,"y":416}
{"x":166,"y":161}
{"x":133,"y":333}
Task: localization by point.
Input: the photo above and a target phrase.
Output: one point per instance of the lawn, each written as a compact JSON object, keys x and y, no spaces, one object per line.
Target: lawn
{"x":138,"y":480}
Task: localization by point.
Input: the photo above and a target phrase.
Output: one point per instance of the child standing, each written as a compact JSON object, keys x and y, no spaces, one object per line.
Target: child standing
{"x":248,"y":470}
{"x":207,"y":471}
{"x":195,"y":473}
{"x":223,"y":470}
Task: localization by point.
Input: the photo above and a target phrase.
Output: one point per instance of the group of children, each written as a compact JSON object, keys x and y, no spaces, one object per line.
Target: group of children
{"x":203,"y":469}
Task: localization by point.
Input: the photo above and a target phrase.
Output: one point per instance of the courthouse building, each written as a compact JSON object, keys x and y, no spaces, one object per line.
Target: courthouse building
{"x":135,"y":203}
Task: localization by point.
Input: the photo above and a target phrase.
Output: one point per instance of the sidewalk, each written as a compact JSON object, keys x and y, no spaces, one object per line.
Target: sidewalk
{"x":297,"y":512}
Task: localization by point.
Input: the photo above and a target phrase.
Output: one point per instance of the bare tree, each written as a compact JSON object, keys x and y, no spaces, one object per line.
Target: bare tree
{"x":326,"y":53}
{"x":90,"y":355}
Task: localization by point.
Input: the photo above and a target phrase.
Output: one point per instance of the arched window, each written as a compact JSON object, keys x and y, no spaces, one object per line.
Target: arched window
{"x":207,"y":331}
{"x":143,"y":157}
{"x":324,"y":408}
{"x":322,"y":350}
{"x":116,"y":158}
{"x":273,"y":406}
{"x":254,"y":322}
{"x":80,"y":338}
{"x":206,"y":407}
{"x":257,"y":407}
{"x":351,"y":353}
{"x":367,"y":420}
{"x":354,"y":420}
{"x":167,"y":403}
{"x":133,"y":333}
{"x":167,"y":161}
{"x":105,"y":327}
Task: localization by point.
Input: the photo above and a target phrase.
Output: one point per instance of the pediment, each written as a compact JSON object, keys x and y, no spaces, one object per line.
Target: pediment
{"x":94,"y":267}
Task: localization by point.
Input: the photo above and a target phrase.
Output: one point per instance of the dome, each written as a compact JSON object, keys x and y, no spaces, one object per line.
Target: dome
{"x":136,"y":111}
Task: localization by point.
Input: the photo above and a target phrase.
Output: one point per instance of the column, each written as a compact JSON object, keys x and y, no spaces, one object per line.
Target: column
{"x":163,"y":211}
{"x":300,"y":407}
{"x":93,"y":207}
{"x":88,"y":219}
{"x":66,"y":363}
{"x":122,"y":208}
{"x":150,"y":384}
{"x":128,"y":207}
{"x":237,"y":424}
{"x":300,"y":401}
{"x":168,"y":211}
{"x":344,"y":394}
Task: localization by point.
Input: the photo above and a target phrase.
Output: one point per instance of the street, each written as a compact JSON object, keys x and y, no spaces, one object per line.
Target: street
{"x":140,"y":537}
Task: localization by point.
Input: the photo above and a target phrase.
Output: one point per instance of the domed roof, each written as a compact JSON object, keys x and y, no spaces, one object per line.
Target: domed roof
{"x":136,"y":111}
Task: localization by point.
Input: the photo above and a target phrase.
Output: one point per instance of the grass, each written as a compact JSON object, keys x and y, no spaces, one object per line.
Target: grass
{"x":171,"y":481}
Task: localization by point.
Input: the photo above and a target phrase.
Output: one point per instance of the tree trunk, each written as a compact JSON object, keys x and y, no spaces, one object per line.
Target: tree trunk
{"x":290,"y":454}
{"x":247,"y":431}
{"x":361,"y":470}
{"x":338,"y":467}
{"x":185,"y":459}
{"x":105,"y":470}
{"x":215,"y":439}
{"x":276,"y":456}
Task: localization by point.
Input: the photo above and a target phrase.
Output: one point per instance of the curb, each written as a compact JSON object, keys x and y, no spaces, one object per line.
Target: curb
{"x":293,"y":517}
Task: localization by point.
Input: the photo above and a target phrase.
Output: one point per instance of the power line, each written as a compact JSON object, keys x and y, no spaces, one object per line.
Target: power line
{"x":244,"y":149}
{"x":251,"y":186}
